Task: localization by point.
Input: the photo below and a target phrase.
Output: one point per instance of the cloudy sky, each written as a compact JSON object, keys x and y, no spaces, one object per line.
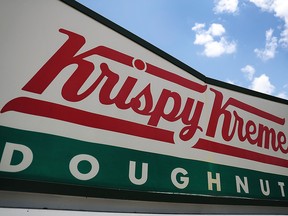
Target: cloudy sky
{"x":243,"y":42}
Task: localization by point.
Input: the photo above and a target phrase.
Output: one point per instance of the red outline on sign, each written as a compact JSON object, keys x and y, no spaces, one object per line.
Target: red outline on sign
{"x":219,"y":148}
{"x":81,"y":117}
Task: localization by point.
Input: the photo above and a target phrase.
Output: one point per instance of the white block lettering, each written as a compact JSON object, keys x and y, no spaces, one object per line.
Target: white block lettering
{"x":132,"y":171}
{"x":184,"y":181}
{"x":212,"y":181}
{"x":281,"y":185}
{"x":240,"y":184}
{"x":9,"y":149}
{"x":73,"y":166}
{"x":267,"y":191}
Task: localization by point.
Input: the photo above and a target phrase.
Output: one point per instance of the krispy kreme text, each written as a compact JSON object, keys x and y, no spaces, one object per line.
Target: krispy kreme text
{"x":226,"y":115}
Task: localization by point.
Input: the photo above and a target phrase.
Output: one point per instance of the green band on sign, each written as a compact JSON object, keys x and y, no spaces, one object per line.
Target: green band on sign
{"x":48,"y":158}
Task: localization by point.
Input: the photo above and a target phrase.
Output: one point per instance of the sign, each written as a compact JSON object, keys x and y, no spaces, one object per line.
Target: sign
{"x":87,"y":104}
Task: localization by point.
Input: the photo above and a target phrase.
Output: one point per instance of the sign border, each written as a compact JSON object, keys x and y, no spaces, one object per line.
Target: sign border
{"x":8,"y":184}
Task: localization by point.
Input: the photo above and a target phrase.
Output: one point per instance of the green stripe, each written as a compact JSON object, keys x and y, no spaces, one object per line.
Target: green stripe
{"x":52,"y":155}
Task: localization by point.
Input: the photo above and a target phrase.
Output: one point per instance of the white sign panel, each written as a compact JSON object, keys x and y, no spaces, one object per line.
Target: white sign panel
{"x":86,"y":103}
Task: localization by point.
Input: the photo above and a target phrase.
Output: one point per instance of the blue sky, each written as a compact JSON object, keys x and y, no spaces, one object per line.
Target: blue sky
{"x":244,"y":42}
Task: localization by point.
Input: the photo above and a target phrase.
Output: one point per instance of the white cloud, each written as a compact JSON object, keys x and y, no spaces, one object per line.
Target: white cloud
{"x":198,"y":26}
{"x":214,"y":41}
{"x":216,"y":29}
{"x":226,"y":6}
{"x":248,"y":71}
{"x":262,"y":84}
{"x":202,"y":39}
{"x":270,"y":47}
{"x":280,"y":10}
{"x":284,"y":37}
{"x":218,"y":48}
{"x":265,"y":5}
{"x":230,"y":81}
{"x":283,"y":95}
